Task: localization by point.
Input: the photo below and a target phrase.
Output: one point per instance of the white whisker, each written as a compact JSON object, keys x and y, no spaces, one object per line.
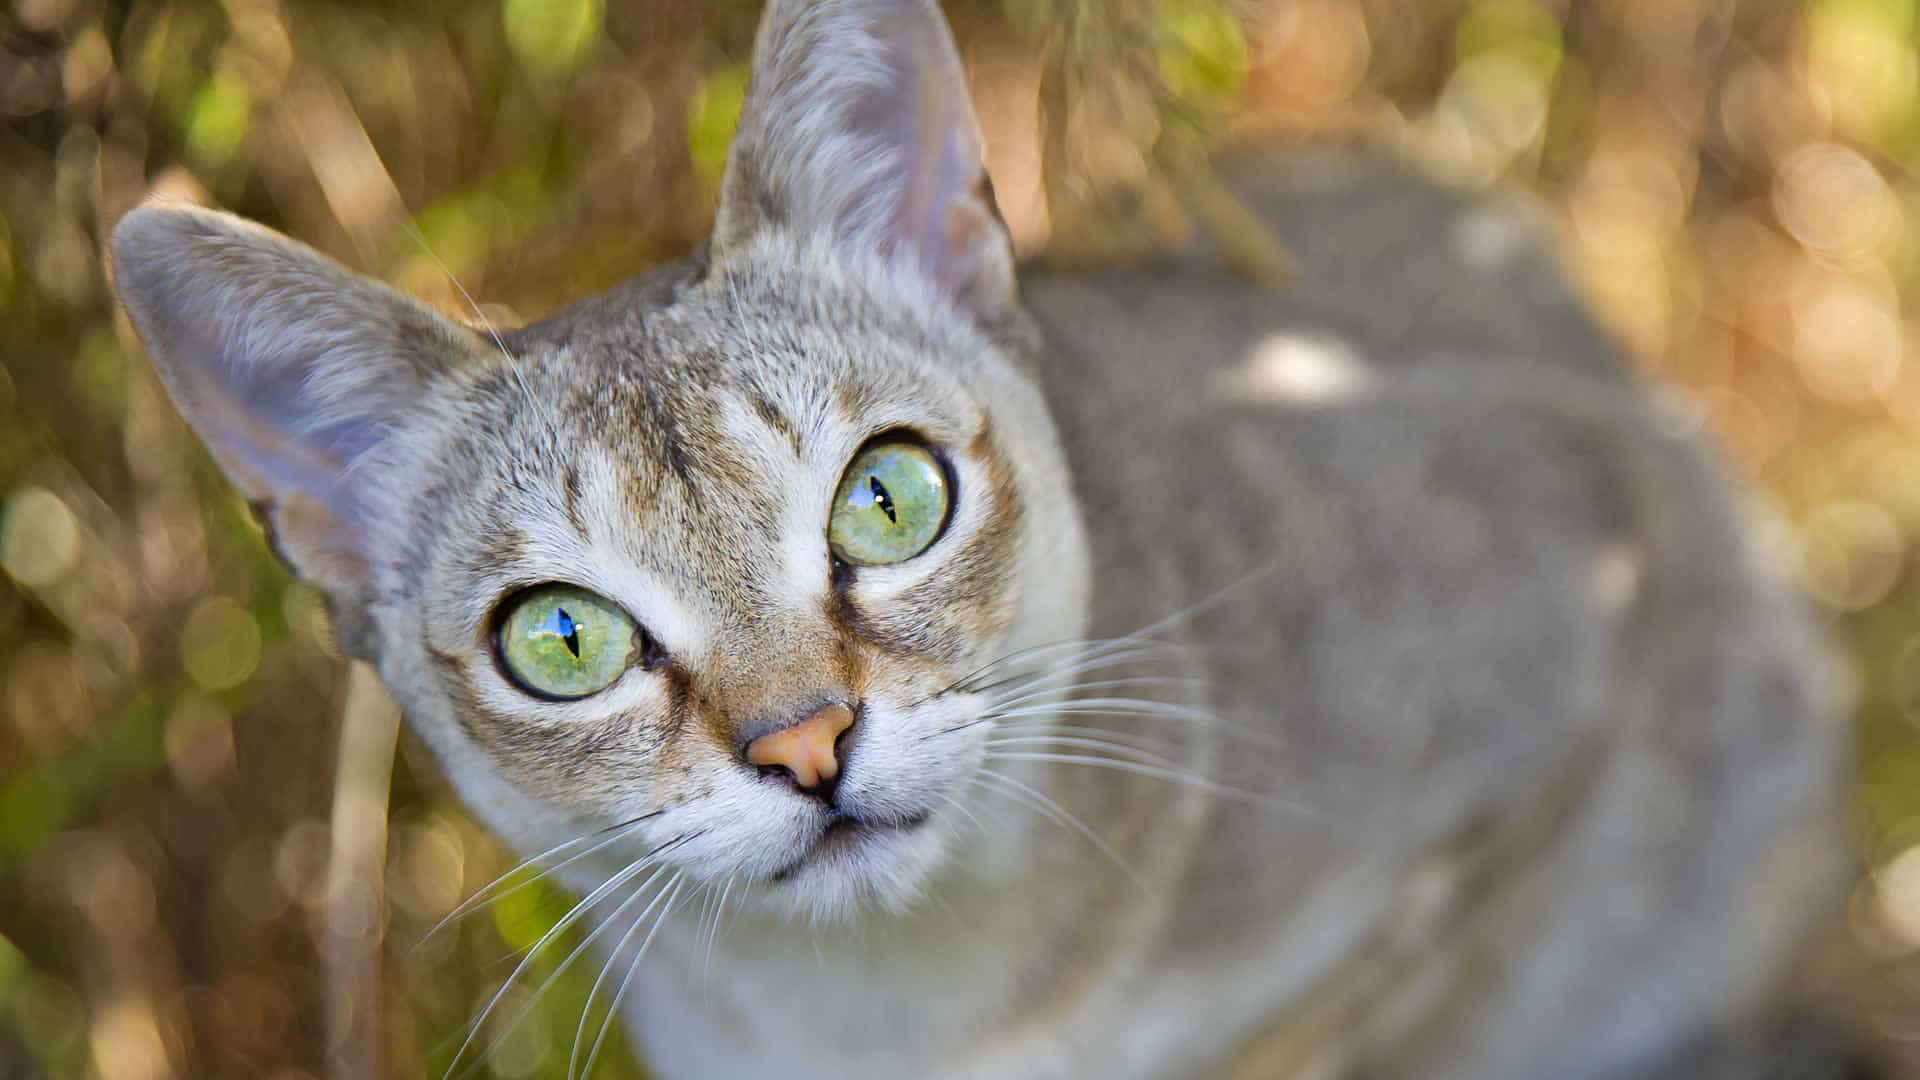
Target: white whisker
{"x":947,"y":798}
{"x":713,"y":936}
{"x":1145,"y":709}
{"x":672,"y":887}
{"x":1059,"y":815}
{"x":625,"y":982}
{"x":1157,"y":771}
{"x":1142,"y":681}
{"x":573,"y":915}
{"x":533,"y":999}
{"x":513,"y":362}
{"x":1085,"y":742}
{"x":485,"y":895}
{"x":1092,"y":660}
{"x":1135,"y":740}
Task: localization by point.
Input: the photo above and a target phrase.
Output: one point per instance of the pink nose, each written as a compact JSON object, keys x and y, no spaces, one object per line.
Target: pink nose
{"x":805,"y":750}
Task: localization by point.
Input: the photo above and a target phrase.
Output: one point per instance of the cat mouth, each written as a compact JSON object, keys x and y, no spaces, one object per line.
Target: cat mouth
{"x":845,"y":834}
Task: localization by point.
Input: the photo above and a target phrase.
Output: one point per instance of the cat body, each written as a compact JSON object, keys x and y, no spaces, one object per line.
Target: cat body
{"x":1473,"y":578}
{"x":1368,"y":678}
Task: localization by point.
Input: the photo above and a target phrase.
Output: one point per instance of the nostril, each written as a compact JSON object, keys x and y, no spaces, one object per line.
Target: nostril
{"x":780,"y":771}
{"x":806,"y":752}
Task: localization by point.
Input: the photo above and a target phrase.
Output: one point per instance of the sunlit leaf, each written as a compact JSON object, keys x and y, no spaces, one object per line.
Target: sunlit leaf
{"x":1520,"y":31}
{"x":712,"y":117}
{"x":1203,"y":57}
{"x":550,"y":37}
{"x":218,"y":119}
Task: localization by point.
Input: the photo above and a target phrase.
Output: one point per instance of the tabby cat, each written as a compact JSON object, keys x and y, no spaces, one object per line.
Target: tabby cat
{"x":1127,"y":673}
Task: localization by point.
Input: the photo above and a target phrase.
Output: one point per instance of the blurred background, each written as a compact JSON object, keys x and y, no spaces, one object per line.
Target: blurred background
{"x":1731,"y":180}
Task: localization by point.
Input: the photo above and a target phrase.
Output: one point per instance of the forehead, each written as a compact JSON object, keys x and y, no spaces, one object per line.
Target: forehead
{"x":697,"y":444}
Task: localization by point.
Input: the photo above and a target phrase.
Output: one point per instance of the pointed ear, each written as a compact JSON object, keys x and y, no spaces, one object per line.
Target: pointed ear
{"x":857,"y":125}
{"x":289,"y":367}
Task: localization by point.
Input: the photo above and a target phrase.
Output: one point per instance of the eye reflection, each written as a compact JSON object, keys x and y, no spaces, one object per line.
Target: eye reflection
{"x":892,"y":501}
{"x":562,"y":642}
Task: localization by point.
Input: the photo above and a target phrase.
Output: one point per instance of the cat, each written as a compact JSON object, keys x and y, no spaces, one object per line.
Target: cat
{"x":1131,"y":672}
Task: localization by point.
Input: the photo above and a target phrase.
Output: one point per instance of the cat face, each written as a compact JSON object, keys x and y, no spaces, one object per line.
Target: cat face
{"x":613,"y":564}
{"x":686,"y":468}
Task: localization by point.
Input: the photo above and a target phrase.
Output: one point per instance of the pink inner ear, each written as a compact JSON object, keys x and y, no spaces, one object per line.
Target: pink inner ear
{"x":297,"y":479}
{"x":938,"y":212}
{"x":923,"y":114}
{"x":858,"y":122}
{"x":934,"y":199}
{"x":253,"y":443}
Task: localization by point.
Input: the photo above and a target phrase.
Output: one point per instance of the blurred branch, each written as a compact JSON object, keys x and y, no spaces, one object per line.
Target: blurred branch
{"x":369,"y":730}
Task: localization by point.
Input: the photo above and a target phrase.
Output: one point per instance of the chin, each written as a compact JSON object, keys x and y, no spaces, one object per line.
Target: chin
{"x":852,"y":870}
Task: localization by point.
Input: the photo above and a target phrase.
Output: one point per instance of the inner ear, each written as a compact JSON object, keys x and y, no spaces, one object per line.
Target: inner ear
{"x":292,"y":370}
{"x":858,"y":127}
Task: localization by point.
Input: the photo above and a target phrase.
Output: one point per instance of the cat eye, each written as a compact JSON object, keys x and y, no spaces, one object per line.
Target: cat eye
{"x":563,"y":642}
{"x":891,"y":504}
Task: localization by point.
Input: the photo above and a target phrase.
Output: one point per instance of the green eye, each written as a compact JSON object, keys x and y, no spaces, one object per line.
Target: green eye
{"x":561,"y":642}
{"x":891,"y":504}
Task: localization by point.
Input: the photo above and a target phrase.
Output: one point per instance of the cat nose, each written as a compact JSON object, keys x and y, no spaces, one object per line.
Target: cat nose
{"x":807,"y":751}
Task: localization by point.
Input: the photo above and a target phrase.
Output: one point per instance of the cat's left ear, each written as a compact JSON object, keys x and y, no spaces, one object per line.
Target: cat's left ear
{"x":858,"y":126}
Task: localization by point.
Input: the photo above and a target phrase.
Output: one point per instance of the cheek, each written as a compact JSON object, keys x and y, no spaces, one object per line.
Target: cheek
{"x":952,"y":619}
{"x":917,"y":731}
{"x":604,"y":767}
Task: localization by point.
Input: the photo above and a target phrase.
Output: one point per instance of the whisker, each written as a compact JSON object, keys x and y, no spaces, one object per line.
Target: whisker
{"x":1081,"y":650}
{"x":713,"y":936}
{"x":1146,"y":634}
{"x":572,"y":916}
{"x":1088,"y":742}
{"x":962,"y":807}
{"x":482,"y":898}
{"x":1047,"y":807}
{"x":997,"y":747}
{"x":1159,"y":772}
{"x":999,"y":818}
{"x":625,"y":982}
{"x":1041,"y":727}
{"x":1140,"y":708}
{"x":513,"y":362}
{"x":672,"y":887}
{"x":1023,"y":654}
{"x":1000,"y":712}
{"x":526,"y":1009}
{"x":1140,"y":681}
{"x":1090,"y":660}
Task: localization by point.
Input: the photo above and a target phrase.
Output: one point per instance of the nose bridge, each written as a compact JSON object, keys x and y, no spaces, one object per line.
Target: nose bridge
{"x":771,"y":671}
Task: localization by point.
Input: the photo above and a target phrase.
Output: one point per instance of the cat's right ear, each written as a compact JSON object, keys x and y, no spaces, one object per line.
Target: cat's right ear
{"x":858,"y":130}
{"x":290,"y":368}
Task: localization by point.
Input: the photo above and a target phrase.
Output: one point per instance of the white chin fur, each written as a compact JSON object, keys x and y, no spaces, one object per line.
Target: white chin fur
{"x":887,"y":870}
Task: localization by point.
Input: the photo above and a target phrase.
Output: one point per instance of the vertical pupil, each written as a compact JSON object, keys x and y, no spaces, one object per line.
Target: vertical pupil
{"x":569,"y":631}
{"x":881,"y":499}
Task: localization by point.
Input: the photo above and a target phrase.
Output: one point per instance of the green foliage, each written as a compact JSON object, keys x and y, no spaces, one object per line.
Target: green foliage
{"x":218,"y":119}
{"x":551,"y":37}
{"x":712,"y":116}
{"x":1203,"y":56}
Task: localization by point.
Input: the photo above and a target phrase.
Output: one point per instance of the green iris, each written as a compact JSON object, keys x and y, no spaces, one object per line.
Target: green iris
{"x":561,"y":642}
{"x":891,"y":504}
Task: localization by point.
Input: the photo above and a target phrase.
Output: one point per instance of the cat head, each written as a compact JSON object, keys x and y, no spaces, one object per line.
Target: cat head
{"x":700,"y":566}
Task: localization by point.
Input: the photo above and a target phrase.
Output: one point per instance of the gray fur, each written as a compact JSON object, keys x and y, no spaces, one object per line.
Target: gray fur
{"x":1489,"y":743}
